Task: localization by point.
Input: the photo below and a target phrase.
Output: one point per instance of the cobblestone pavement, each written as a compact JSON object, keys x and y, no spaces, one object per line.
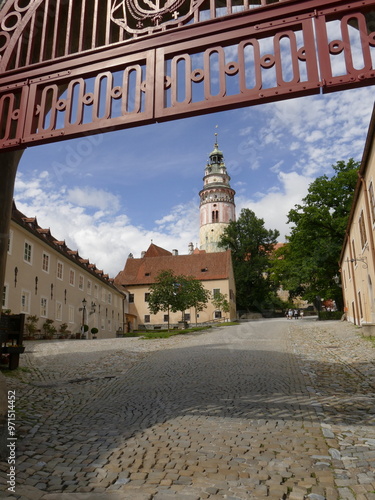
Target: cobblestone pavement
{"x":270,"y":409}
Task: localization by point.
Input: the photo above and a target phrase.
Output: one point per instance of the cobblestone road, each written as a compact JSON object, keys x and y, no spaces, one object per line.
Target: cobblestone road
{"x":270,"y":409}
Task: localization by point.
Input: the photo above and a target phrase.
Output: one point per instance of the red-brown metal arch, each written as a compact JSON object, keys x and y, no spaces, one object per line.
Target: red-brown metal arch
{"x":70,"y":67}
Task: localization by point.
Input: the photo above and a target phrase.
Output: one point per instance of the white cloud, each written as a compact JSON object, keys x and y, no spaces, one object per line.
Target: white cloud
{"x":92,"y":197}
{"x":104,"y":238}
{"x":274,"y":206}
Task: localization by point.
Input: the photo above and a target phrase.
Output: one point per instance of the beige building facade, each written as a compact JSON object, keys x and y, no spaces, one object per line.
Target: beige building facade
{"x":44,"y":278}
{"x":214,"y":270}
{"x":357,"y":259}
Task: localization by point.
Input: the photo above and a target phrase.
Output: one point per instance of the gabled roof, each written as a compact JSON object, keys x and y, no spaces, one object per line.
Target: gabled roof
{"x":155,"y":251}
{"x":202,"y":266}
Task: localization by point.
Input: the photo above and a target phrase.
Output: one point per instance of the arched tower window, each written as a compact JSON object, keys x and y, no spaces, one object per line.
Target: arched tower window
{"x":215,"y":215}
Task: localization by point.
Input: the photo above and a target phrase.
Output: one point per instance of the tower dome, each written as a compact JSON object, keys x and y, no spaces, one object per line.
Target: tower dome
{"x":217,"y":207}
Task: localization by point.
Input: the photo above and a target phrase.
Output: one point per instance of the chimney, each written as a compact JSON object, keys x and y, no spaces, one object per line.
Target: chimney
{"x":143,"y":254}
{"x":174,"y":252}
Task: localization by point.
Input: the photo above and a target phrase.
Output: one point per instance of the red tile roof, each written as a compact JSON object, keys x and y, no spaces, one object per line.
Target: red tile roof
{"x":202,"y":266}
{"x":155,"y":251}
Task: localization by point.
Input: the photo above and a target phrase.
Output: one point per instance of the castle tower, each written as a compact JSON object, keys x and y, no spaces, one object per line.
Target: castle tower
{"x":217,"y":206}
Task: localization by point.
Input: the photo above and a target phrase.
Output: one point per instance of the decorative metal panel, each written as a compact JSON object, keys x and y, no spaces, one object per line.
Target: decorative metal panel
{"x":33,"y":31}
{"x":262,"y":66}
{"x":90,"y":100}
{"x":74,"y":67}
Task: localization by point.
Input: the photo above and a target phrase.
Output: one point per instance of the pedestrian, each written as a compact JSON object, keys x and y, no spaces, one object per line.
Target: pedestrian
{"x":290,"y":314}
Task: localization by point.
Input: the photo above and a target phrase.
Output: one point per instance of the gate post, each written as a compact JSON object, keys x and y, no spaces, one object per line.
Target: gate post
{"x":8,"y":167}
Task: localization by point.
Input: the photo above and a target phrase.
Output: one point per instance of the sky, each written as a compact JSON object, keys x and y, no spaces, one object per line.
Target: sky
{"x":113,"y":194}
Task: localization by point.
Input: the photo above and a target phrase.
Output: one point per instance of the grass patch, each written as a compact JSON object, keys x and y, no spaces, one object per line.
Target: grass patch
{"x":164,"y":334}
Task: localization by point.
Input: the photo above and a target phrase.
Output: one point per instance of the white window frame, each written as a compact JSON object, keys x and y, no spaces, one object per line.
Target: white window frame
{"x":72,"y":273}
{"x":58,"y":313}
{"x":60,"y":265}
{"x":89,"y":287}
{"x":81,"y":282}
{"x":28,"y":252}
{"x":43,"y":307}
{"x":71,"y":314}
{"x":10,"y":242}
{"x":45,"y":262}
{"x":5,"y":297}
{"x":25,"y":304}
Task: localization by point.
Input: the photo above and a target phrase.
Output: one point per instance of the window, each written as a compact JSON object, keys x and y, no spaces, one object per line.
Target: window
{"x":103,"y":294}
{"x":102,"y":325}
{"x":43,"y":307}
{"x":109,"y":325}
{"x":71,"y":314}
{"x":4,"y":302}
{"x":27,"y":253}
{"x":72,"y":277}
{"x":217,"y":314}
{"x":362,"y":230}
{"x":215,"y":215}
{"x":372,"y":201}
{"x":45,"y":262}
{"x":166,"y":318}
{"x":147,"y":318}
{"x":60,"y":270}
{"x":96,"y":291}
{"x":131,"y":298}
{"x":147,"y":296}
{"x":25,"y":301}
{"x":109,"y":298}
{"x":58,"y":311}
{"x":89,"y":287}
{"x":215,"y":292}
{"x":80,"y":282}
{"x":187,"y":317}
{"x":10,"y":242}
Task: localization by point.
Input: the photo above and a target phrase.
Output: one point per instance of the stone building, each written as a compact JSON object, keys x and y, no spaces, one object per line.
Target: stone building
{"x":357,"y":259}
{"x":217,"y":207}
{"x":214,"y":270}
{"x":46,"y":279}
{"x":211,"y":265}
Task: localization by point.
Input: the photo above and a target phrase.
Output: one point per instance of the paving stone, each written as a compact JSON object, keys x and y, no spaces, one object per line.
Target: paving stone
{"x":274,"y":410}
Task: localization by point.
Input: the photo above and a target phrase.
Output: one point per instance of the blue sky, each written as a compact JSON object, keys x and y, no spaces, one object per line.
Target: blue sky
{"x":111,"y":194}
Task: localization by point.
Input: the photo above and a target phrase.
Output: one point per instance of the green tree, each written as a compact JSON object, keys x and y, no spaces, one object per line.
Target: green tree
{"x":251,"y":245}
{"x":220,"y":301}
{"x":196,"y":295}
{"x":307,"y":265}
{"x":172,"y":293}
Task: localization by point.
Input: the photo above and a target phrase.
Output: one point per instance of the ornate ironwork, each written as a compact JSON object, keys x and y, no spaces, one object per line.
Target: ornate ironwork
{"x":73,"y":67}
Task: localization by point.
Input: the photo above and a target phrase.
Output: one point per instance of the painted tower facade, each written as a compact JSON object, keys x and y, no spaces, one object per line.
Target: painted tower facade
{"x":217,"y":207}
